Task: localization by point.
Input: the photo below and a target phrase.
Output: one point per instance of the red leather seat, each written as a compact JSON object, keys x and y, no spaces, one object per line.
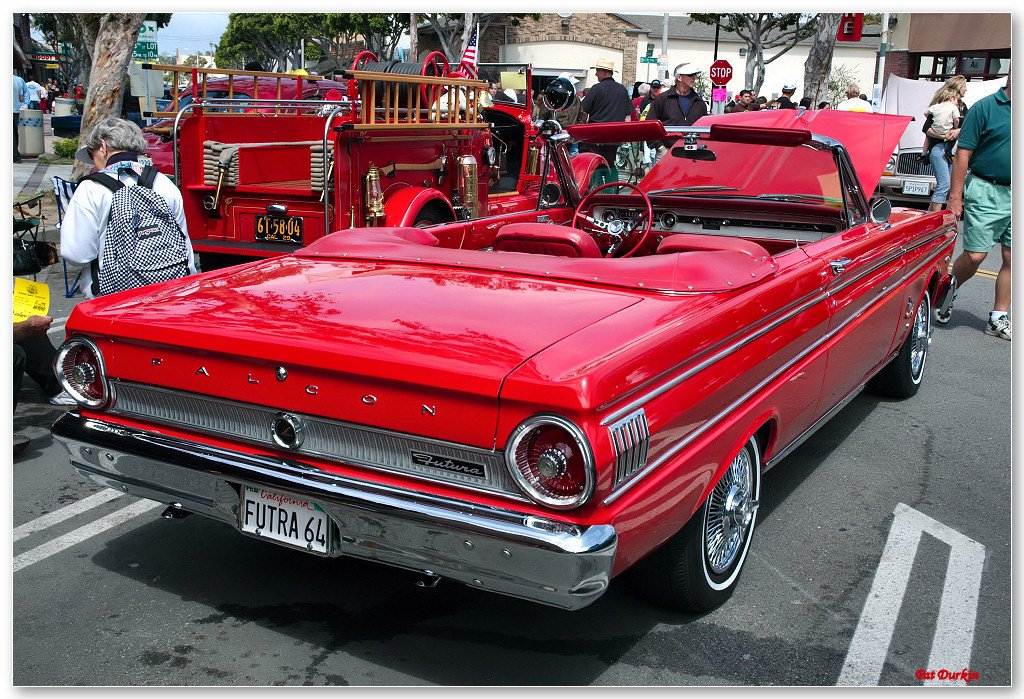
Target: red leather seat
{"x":546,"y":239}
{"x":690,"y":242}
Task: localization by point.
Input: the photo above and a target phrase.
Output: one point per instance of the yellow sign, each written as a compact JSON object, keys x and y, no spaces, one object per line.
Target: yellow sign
{"x":517,"y":81}
{"x":30,"y":299}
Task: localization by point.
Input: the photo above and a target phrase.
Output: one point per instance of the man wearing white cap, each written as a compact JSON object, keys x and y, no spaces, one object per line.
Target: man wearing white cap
{"x":786,"y":100}
{"x":680,"y":106}
{"x":607,"y":101}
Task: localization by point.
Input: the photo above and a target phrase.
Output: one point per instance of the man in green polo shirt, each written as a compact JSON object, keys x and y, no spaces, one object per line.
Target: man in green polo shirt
{"x":979,"y":191}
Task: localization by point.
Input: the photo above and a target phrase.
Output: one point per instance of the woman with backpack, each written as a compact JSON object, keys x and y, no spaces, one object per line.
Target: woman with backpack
{"x":126,"y":223}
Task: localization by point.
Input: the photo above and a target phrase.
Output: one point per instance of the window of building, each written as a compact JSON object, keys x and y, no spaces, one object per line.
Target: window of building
{"x":974,"y":65}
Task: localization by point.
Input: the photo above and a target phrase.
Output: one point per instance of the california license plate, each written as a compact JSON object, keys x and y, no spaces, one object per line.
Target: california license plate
{"x":284,"y":519}
{"x":279,"y":229}
{"x":915,"y":187}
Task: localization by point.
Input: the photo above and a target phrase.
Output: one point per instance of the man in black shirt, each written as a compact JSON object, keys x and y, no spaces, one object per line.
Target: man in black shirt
{"x":649,"y":97}
{"x":680,"y":106}
{"x":786,"y":100}
{"x":607,"y":101}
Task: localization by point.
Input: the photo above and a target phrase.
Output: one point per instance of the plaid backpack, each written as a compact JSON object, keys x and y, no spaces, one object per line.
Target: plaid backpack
{"x":144,"y":243}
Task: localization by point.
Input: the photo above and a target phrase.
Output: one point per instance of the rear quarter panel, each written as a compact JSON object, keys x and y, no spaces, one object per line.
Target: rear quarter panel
{"x":707,"y":370}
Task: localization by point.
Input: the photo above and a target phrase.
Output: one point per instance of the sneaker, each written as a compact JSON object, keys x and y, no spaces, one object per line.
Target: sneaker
{"x":63,"y":398}
{"x":999,"y":328}
{"x":942,"y":317}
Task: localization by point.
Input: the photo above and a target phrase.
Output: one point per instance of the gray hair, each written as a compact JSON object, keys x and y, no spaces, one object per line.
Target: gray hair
{"x":644,"y":88}
{"x":120,"y":135}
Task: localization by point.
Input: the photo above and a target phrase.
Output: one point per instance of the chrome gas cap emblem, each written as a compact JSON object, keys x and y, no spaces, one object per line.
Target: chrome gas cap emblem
{"x":281,"y":373}
{"x":288,"y":430}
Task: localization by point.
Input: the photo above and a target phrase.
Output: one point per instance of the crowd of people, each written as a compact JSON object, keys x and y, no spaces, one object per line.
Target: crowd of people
{"x":41,"y":95}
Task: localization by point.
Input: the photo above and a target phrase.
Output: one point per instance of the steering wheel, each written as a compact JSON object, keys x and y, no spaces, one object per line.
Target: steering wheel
{"x":610,"y":235}
{"x":439,"y":61}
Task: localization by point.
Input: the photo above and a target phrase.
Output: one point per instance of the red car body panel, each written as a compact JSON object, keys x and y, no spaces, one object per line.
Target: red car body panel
{"x":396,"y":337}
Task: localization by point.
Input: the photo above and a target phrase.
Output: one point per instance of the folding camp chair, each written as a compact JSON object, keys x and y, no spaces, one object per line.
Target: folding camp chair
{"x":25,"y":221}
{"x":63,"y":189}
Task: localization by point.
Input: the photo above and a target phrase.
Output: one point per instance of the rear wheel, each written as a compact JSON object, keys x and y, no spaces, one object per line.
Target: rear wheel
{"x":901,"y":378}
{"x":698,"y":568}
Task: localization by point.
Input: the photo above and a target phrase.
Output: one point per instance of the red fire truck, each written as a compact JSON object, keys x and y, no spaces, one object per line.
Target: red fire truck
{"x":402,"y":144}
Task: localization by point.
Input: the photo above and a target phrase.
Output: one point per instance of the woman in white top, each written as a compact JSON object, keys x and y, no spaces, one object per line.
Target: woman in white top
{"x":945,"y":113}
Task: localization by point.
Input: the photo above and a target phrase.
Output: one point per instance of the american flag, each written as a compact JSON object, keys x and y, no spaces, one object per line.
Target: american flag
{"x":469,"y":56}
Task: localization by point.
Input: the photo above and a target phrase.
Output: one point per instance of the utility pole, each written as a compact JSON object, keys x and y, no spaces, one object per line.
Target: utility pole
{"x":882,"y":48}
{"x":664,"y":43}
{"x":413,"y":36}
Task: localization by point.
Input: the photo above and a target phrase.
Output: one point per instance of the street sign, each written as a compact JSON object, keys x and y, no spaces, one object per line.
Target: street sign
{"x":648,"y":59}
{"x":721,"y":72}
{"x":146,"y":45}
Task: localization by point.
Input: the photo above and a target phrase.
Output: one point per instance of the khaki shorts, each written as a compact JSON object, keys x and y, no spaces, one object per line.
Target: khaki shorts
{"x":987,"y":212}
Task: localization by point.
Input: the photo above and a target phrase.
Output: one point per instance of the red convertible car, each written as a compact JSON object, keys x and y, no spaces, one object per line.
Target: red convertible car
{"x":594,"y":389}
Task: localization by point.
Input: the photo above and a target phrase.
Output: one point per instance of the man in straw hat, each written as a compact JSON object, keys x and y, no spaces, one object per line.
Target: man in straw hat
{"x":607,"y":101}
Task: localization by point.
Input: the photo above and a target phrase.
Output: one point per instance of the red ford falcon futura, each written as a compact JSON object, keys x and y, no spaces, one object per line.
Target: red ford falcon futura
{"x":594,"y":388}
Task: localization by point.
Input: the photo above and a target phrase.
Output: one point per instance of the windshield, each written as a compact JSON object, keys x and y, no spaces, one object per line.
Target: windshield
{"x":708,"y":168}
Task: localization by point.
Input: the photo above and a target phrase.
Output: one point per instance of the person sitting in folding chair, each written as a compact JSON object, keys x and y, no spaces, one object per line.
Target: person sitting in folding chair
{"x":62,"y":190}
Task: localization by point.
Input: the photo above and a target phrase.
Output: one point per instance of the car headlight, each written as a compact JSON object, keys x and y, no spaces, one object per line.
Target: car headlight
{"x":80,"y":370}
{"x":551,"y":460}
{"x":890,"y":167}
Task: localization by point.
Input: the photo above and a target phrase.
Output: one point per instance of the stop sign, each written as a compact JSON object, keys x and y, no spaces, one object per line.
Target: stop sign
{"x":721,"y":72}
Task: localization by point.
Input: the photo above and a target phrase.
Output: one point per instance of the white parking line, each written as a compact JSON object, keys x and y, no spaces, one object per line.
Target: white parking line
{"x":64,"y":513}
{"x":57,"y":325}
{"x":79,"y":535}
{"x":954,"y":632}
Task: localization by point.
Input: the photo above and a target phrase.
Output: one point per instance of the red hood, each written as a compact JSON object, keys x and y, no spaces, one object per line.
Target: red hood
{"x":870,"y":139}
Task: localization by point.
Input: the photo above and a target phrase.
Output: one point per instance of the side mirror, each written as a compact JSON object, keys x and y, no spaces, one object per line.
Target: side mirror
{"x":548,"y":128}
{"x":881,"y":209}
{"x":551,"y":194}
{"x":701,"y":153}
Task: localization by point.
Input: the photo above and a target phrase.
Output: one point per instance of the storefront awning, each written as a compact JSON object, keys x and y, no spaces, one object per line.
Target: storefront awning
{"x":937,"y":32}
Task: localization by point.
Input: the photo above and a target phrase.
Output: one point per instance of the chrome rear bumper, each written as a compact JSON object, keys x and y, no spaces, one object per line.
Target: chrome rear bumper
{"x":512,"y":553}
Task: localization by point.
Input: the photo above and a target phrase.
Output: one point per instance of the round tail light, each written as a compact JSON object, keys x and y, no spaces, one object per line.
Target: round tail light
{"x":551,"y":460}
{"x":80,"y":370}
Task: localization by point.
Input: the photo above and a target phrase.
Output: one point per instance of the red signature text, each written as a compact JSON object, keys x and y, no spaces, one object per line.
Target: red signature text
{"x":285,"y":500}
{"x":965,"y":675}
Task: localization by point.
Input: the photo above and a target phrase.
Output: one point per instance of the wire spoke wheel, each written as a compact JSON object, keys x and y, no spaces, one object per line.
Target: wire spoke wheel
{"x":730,"y":512}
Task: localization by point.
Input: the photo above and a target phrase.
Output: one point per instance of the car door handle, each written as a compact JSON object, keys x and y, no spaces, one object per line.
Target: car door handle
{"x":839,"y":266}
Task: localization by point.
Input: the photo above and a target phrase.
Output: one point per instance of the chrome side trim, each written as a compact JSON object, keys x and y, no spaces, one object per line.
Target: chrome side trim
{"x":631,"y":438}
{"x":713,"y":421}
{"x":800,"y":307}
{"x":797,"y":307}
{"x":329,"y":439}
{"x":531,"y":557}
